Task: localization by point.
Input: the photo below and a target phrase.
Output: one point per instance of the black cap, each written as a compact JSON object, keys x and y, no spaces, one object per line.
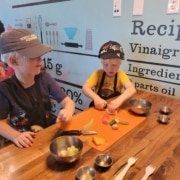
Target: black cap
{"x":111,"y":49}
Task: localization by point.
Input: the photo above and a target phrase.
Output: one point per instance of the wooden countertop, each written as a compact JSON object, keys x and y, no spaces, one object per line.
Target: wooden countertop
{"x":150,"y":142}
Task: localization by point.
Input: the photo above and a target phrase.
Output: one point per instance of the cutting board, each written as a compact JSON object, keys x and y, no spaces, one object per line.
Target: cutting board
{"x":94,"y":118}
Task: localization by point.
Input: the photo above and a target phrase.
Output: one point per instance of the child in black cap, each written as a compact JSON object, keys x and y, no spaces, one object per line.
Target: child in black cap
{"x":25,"y":97}
{"x":109,"y":81}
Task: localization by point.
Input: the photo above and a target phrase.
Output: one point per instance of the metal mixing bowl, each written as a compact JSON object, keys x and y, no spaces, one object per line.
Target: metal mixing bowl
{"x":140,"y":106}
{"x":61,"y":144}
{"x":86,"y":173}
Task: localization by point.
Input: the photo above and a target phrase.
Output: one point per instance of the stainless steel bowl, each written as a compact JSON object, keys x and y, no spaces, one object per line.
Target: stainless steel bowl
{"x":163,"y":119}
{"x":103,"y":161}
{"x":61,"y":144}
{"x":140,"y":106}
{"x":86,"y":173}
{"x":165,"y":110}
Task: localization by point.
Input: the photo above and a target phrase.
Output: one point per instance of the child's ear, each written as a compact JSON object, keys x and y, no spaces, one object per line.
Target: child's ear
{"x":13,"y":61}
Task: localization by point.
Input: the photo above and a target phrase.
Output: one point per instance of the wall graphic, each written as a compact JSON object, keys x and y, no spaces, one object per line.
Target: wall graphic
{"x":160,"y":69}
{"x":76,"y":29}
{"x":20,"y":3}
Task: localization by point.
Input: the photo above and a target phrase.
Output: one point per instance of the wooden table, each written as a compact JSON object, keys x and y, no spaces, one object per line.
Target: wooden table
{"x":150,"y":142}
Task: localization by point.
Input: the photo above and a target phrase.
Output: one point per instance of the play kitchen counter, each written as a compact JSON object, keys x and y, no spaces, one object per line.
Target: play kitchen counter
{"x":148,"y":141}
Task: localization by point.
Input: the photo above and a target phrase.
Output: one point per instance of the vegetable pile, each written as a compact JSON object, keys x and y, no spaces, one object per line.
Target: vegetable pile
{"x":113,"y":123}
{"x":70,"y":151}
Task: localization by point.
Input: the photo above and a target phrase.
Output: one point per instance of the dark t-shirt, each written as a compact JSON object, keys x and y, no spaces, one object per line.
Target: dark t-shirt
{"x":30,"y":106}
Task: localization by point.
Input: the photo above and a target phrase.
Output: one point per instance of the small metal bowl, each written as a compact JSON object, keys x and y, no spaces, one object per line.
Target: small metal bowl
{"x":163,"y":119}
{"x":139,"y":106}
{"x":86,"y":173}
{"x":165,"y":110}
{"x":103,"y":161}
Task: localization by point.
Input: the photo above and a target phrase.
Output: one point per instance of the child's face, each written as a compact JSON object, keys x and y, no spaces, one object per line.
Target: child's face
{"x":29,"y":66}
{"x":111,"y":66}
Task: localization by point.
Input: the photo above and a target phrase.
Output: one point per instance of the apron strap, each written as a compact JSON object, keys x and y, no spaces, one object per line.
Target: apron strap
{"x":102,"y":82}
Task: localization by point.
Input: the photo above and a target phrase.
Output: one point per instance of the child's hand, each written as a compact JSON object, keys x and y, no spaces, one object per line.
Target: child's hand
{"x":100,"y":104}
{"x":64,"y":115}
{"x":25,"y":139}
{"x":113,"y":105}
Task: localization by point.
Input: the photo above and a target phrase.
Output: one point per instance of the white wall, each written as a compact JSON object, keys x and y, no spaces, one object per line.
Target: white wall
{"x":154,"y":29}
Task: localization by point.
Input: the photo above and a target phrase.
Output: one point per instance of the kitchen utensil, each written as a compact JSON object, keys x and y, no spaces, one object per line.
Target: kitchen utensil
{"x":88,"y":45}
{"x":163,"y":119}
{"x":148,"y":171}
{"x":77,"y":132}
{"x":50,"y":24}
{"x":86,"y":173}
{"x":57,"y":36}
{"x":139,"y":106}
{"x":165,"y":110}
{"x":91,"y":119}
{"x":103,"y":161}
{"x":40,"y":27}
{"x":47,"y":37}
{"x":50,"y":41}
{"x":131,"y":161}
{"x":60,"y":145}
{"x":70,"y":44}
{"x":71,"y":32}
{"x":54,"y":40}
